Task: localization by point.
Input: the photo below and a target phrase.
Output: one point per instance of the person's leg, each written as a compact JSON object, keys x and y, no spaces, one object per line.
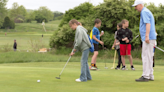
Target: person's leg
{"x":94,"y":57}
{"x":151,"y":76}
{"x":147,"y":59}
{"x":123,"y":60}
{"x":119,"y":58}
{"x":84,"y":65}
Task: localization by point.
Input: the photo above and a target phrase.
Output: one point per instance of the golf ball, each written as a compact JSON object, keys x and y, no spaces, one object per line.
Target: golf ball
{"x":102,"y":31}
{"x":38,"y":80}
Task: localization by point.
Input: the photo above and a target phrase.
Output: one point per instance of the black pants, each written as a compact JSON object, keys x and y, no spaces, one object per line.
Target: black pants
{"x":119,"y":58}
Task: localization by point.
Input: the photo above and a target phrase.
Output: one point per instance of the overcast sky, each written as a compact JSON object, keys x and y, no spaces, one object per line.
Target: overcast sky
{"x":61,"y":5}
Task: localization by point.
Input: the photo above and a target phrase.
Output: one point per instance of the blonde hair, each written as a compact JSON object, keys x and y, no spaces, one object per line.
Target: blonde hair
{"x":124,"y":20}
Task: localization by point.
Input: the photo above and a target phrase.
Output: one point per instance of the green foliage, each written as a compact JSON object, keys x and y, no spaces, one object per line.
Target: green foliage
{"x":62,"y":37}
{"x":79,"y":12}
{"x":6,"y":23}
{"x":58,"y":15}
{"x":111,"y":12}
{"x":43,"y":13}
{"x":3,"y":11}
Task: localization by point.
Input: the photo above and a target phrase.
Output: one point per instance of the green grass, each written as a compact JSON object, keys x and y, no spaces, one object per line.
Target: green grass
{"x":22,"y":77}
{"x":33,"y":27}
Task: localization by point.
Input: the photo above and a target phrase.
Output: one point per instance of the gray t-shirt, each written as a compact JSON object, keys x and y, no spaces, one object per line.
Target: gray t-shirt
{"x":117,"y":46}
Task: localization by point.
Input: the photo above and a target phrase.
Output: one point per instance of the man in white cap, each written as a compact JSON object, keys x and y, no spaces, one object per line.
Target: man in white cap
{"x":148,"y":36}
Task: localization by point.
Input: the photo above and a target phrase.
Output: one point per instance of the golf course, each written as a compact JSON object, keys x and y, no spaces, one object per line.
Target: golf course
{"x":44,"y":46}
{"x":20,"y":70}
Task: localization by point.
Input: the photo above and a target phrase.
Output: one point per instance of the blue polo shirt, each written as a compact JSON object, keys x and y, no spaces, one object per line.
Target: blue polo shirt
{"x":97,"y":34}
{"x":147,"y":17}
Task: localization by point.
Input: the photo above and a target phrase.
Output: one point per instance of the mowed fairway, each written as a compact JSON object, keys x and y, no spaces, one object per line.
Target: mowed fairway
{"x":22,"y":77}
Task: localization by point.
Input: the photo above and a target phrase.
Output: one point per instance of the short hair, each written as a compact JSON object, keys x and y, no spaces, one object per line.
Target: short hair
{"x":73,"y":21}
{"x":124,"y":20}
{"x":119,"y":25}
{"x":97,"y":21}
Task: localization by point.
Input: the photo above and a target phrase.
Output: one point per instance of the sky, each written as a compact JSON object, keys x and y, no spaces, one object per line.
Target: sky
{"x":61,"y":5}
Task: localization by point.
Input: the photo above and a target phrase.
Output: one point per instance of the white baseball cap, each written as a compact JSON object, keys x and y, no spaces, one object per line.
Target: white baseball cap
{"x":137,"y":2}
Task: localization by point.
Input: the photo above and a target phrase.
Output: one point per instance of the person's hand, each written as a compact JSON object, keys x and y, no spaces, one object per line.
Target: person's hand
{"x":127,"y":41}
{"x":102,"y":33}
{"x":147,"y":39}
{"x":72,"y":53}
{"x":102,"y":43}
{"x":113,"y":47}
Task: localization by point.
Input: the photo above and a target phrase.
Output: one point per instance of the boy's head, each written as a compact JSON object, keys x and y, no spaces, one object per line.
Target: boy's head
{"x":97,"y":23}
{"x":14,"y":40}
{"x":125,"y":23}
{"x":73,"y":24}
{"x":119,"y":26}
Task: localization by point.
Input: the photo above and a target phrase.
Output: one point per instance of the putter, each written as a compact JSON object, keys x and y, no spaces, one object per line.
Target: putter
{"x":114,"y":60}
{"x":63,"y":68}
{"x":105,"y":61}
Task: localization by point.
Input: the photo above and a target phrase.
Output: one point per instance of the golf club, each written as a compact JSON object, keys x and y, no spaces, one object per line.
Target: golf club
{"x":63,"y":68}
{"x":105,"y":60}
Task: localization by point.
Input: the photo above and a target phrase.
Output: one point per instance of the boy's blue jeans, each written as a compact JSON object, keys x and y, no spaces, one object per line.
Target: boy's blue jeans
{"x":85,"y":72}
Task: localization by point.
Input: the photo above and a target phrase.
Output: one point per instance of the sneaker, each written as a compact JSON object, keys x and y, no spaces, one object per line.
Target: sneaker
{"x":132,"y":68}
{"x":142,"y":79}
{"x":124,"y":68}
{"x":151,"y":79}
{"x":78,"y":80}
{"x":93,"y":68}
{"x":117,"y":68}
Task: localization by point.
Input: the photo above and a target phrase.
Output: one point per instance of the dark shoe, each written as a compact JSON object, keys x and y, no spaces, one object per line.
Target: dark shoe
{"x":117,"y":68}
{"x":132,"y":68}
{"x":142,"y":79}
{"x":124,"y":68}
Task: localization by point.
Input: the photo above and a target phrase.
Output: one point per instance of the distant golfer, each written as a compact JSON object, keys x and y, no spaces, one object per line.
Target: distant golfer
{"x":148,"y":36}
{"x":82,"y":44}
{"x":15,"y":45}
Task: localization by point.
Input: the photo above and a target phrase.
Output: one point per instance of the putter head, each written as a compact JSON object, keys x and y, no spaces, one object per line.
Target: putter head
{"x":57,"y":77}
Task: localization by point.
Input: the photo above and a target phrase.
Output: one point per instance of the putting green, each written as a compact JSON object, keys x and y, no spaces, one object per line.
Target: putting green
{"x":22,"y":77}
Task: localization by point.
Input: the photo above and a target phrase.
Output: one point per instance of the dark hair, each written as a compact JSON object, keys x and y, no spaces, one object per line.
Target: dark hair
{"x":119,"y":25}
{"x":124,"y":20}
{"x":97,"y":21}
{"x":73,"y":21}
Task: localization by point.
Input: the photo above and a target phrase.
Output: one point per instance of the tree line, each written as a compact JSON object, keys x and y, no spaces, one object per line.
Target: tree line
{"x":19,"y":14}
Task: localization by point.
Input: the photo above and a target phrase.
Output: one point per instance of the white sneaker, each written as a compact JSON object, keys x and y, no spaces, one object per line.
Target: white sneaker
{"x":78,"y":80}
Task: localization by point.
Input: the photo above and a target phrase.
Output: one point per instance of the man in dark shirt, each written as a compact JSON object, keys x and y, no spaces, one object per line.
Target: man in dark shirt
{"x":15,"y":45}
{"x":124,"y":35}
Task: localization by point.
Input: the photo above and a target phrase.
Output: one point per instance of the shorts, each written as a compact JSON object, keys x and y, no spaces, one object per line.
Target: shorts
{"x":125,"y":49}
{"x":96,"y":47}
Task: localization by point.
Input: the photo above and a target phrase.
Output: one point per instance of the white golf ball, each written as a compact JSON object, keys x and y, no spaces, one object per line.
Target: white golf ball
{"x":38,"y":80}
{"x":102,"y":31}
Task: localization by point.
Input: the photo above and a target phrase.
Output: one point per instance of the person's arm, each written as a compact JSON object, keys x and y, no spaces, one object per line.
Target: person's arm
{"x":78,"y":39}
{"x":114,"y":44}
{"x":94,"y":37}
{"x":147,"y":32}
{"x":146,"y":19}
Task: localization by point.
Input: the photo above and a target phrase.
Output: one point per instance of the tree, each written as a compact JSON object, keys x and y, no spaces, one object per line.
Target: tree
{"x":6,"y":23}
{"x":18,"y":13}
{"x":43,"y":13}
{"x":3,"y":11}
